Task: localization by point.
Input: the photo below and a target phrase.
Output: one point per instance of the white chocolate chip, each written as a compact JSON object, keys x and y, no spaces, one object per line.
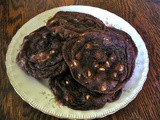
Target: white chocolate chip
{"x":83,"y":34}
{"x":89,"y":73}
{"x":107,"y":64}
{"x":79,"y":76}
{"x":66,"y":98}
{"x":96,"y":65}
{"x":88,"y":46}
{"x":71,"y":65}
{"x":105,"y":39}
{"x":67,"y":82}
{"x":86,"y":82}
{"x":115,"y":74}
{"x":112,"y":58}
{"x":103,"y":87}
{"x":87,"y":97}
{"x":121,"y":68}
{"x":52,"y":51}
{"x":78,"y":41}
{"x":101,"y":69}
{"x":75,"y":63}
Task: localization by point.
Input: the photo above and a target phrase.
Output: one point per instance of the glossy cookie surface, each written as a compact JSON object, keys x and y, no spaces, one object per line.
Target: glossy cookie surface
{"x":40,"y":55}
{"x":74,"y":95}
{"x":70,"y":24}
{"x":102,"y":61}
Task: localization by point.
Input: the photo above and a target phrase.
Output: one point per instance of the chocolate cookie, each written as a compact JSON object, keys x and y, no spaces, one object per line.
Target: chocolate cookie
{"x":102,"y":61}
{"x":70,"y":24}
{"x":74,"y":95}
{"x":40,"y":55}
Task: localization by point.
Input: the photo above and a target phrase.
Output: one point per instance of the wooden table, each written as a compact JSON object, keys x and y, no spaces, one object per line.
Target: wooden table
{"x":144,"y":15}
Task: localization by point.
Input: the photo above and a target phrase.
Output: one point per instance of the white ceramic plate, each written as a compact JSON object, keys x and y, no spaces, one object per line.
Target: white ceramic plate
{"x":38,"y":94}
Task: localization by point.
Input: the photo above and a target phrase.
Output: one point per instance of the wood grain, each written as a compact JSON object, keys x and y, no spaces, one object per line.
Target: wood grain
{"x":144,"y":15}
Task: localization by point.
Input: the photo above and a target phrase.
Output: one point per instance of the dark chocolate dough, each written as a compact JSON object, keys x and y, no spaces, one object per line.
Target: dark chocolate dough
{"x":102,"y":61}
{"x":70,"y":24}
{"x":40,"y":55}
{"x":74,"y":95}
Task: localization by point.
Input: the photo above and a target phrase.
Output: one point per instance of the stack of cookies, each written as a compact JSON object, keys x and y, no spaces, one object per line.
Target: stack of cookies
{"x":87,"y":62}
